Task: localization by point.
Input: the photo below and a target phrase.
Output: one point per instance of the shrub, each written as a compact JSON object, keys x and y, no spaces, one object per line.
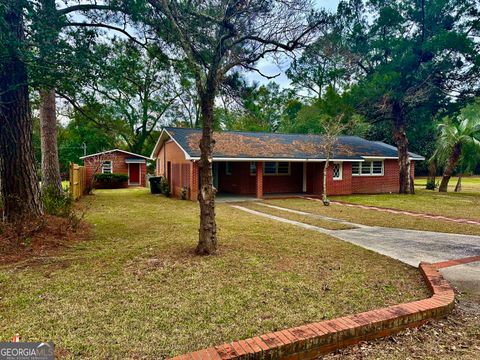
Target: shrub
{"x":111,"y":178}
{"x":184,"y":192}
{"x":431,"y":185}
{"x":57,"y":204}
{"x":165,"y":187}
{"x":110,"y":181}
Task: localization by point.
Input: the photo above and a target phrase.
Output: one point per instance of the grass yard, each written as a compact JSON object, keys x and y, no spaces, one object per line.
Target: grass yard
{"x":135,"y":290}
{"x":465,"y":204}
{"x":376,"y":218}
{"x":470,"y":184}
{"x":326,"y":224}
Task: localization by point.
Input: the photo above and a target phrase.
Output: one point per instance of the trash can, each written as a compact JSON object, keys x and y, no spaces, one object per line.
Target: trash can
{"x":155,"y":184}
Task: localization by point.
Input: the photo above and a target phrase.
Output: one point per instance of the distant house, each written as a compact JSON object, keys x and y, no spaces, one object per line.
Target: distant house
{"x":117,"y":161}
{"x":249,"y":163}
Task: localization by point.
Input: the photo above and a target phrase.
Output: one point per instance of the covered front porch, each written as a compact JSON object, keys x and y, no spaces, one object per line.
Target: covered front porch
{"x":261,"y":179}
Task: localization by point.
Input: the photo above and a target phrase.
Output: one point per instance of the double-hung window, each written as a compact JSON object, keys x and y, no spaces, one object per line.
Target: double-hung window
{"x":107,"y":167}
{"x":276,"y":168}
{"x":271,"y":168}
{"x":368,"y":168}
{"x":253,"y":168}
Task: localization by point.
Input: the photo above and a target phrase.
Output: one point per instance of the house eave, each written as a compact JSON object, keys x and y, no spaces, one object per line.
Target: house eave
{"x":233,"y":159}
{"x":159,"y":145}
{"x":114,"y":150}
{"x":420,"y":158}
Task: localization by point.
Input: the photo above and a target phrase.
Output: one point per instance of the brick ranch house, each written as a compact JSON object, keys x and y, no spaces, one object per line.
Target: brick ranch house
{"x":250,"y":163}
{"x":117,"y":161}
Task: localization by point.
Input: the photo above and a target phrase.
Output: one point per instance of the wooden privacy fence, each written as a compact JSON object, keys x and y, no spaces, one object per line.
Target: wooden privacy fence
{"x":78,"y":180}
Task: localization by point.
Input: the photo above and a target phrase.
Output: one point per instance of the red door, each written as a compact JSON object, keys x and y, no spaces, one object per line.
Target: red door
{"x":134,"y":174}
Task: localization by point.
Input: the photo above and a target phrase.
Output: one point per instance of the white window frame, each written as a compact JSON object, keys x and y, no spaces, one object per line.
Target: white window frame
{"x":369,"y":161}
{"x":340,"y":171}
{"x":276,"y":168}
{"x":111,"y":166}
{"x":252,"y":168}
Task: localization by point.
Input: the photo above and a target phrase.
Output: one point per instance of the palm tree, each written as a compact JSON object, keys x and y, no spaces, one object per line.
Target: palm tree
{"x":455,"y":138}
{"x":468,"y":162}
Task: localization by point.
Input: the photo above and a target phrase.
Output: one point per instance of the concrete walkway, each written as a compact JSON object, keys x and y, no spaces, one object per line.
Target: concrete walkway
{"x":408,"y":246}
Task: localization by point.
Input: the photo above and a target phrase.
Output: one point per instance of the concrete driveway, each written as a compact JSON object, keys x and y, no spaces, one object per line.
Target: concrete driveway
{"x":408,"y":246}
{"x":413,"y":246}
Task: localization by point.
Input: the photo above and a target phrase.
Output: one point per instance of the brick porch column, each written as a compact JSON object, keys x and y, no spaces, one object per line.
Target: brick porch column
{"x":259,"y":176}
{"x":194,"y":180}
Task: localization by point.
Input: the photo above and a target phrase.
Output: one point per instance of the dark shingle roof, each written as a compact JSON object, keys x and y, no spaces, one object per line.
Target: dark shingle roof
{"x":246,"y":145}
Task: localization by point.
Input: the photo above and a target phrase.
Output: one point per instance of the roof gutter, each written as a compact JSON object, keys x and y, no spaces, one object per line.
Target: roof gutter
{"x":272,"y":159}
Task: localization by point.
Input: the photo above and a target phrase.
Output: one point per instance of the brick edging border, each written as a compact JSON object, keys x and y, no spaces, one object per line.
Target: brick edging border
{"x":311,"y":340}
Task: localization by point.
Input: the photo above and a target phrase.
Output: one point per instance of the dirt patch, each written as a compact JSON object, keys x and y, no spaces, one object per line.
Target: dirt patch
{"x":39,"y":238}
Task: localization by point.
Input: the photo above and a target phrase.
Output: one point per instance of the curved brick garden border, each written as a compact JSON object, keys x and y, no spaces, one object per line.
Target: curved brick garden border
{"x":311,"y":340}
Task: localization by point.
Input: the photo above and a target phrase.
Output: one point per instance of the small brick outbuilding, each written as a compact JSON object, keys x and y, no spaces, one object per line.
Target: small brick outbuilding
{"x":117,"y":161}
{"x":252,"y":163}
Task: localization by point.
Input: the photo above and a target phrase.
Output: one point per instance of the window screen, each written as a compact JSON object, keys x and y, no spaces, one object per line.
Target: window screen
{"x":270,"y":168}
{"x":283,"y":168}
{"x":356,"y":168}
{"x":377,"y":167}
{"x":366,"y":167}
{"x":253,"y":168}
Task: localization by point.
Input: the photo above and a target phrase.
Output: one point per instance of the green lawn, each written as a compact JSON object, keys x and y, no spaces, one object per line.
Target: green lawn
{"x":470,"y":184}
{"x":326,"y":224}
{"x":376,"y":218}
{"x":465,"y":204}
{"x":135,"y":290}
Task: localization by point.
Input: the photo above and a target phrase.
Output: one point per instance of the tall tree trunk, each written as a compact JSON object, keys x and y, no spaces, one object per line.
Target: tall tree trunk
{"x":451,"y":163}
{"x":400,"y":138}
{"x":207,"y":239}
{"x":19,"y":187}
{"x":48,"y":134}
{"x":432,"y":173}
{"x":458,"y":187}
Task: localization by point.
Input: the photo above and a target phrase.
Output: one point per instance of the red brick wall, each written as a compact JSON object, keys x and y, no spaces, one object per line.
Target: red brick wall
{"x":181,"y":169}
{"x":94,"y":165}
{"x":241,"y":182}
{"x":354,"y":184}
{"x":285,"y":183}
{"x":143,"y":174}
{"x":389,"y":182}
{"x":259,"y":180}
{"x":334,"y":187}
{"x":343,"y":186}
{"x":194,"y":182}
{"x":314,"y":177}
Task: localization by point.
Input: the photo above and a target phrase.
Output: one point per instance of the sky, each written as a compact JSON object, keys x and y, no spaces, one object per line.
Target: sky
{"x":270,"y":68}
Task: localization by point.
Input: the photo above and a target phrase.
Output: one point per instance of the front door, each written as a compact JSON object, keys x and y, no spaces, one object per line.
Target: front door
{"x":133,"y":174}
